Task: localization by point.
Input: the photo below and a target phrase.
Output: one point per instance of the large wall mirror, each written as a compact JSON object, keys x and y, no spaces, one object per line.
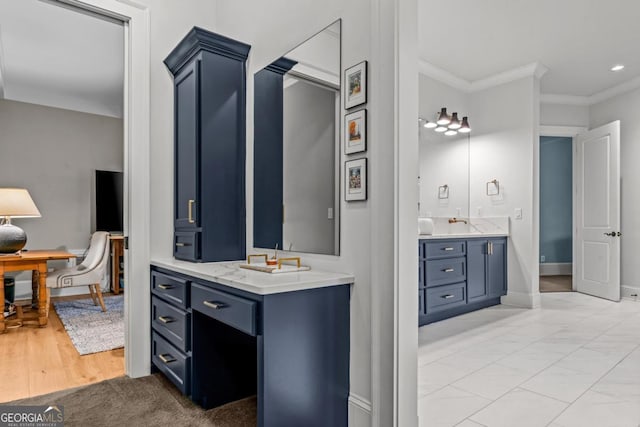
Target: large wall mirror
{"x":445,"y":162}
{"x":297,"y":148}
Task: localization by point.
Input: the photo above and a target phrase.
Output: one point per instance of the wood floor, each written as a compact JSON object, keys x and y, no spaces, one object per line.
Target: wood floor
{"x":35,"y":361}
{"x":556,"y":283}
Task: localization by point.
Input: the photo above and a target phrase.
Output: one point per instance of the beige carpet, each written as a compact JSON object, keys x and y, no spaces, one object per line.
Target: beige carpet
{"x":556,"y":283}
{"x":147,"y":401}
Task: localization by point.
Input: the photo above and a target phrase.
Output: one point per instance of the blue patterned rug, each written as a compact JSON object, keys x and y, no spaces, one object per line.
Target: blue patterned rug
{"x":91,"y":330}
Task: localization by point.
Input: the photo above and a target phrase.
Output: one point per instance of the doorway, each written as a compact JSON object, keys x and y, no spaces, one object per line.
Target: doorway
{"x":556,"y":213}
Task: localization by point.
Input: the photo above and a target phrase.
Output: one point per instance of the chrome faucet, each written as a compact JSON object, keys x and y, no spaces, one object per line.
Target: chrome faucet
{"x":454,"y":220}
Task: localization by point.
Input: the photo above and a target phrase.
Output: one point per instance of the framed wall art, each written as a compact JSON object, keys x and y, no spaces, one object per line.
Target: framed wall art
{"x":355,"y":180}
{"x":355,"y":135}
{"x":356,"y":84}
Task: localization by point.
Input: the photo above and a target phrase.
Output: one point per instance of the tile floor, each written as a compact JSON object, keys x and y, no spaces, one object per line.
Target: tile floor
{"x":575,"y":362}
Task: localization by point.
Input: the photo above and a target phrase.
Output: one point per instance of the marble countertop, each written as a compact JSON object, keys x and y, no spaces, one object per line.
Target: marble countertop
{"x":474,"y":227}
{"x":230,"y":274}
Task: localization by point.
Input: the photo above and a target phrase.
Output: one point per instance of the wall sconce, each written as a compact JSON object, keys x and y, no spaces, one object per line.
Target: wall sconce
{"x":449,"y":125}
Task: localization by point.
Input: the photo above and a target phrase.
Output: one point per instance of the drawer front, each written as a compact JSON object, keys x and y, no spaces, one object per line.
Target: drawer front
{"x":186,"y":245}
{"x":445,"y":297}
{"x":447,"y":249}
{"x":170,"y":288}
{"x":172,"y":362}
{"x":234,"y":311}
{"x":445,"y":271}
{"x":174,"y":324}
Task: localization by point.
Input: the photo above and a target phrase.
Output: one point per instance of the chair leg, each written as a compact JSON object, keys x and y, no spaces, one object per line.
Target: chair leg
{"x":93,"y":295}
{"x":99,"y":293}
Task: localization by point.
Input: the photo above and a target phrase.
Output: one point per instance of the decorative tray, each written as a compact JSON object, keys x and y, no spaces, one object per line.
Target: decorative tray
{"x":278,"y":268}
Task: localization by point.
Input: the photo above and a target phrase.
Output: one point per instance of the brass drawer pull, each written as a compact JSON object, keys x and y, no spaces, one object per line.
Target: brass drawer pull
{"x":448,"y":296}
{"x":448,"y":270}
{"x":166,"y":358}
{"x":166,"y":319}
{"x":214,"y":304}
{"x":448,"y":248}
{"x":190,"y":206}
{"x":165,"y":287}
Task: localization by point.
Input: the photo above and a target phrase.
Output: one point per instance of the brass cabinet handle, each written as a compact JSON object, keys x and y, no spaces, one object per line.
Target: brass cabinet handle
{"x":489,"y":248}
{"x":214,"y":304}
{"x":166,"y":319}
{"x":448,"y":296}
{"x":181,"y":244}
{"x":447,"y":248}
{"x":166,"y":358}
{"x":191,"y":203}
{"x":448,"y":270}
{"x":165,"y":287}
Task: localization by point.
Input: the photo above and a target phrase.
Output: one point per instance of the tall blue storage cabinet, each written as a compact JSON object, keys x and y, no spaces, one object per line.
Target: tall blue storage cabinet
{"x":209,"y":121}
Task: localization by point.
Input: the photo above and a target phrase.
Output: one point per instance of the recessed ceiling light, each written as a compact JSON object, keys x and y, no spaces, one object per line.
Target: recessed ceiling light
{"x":618,"y":67}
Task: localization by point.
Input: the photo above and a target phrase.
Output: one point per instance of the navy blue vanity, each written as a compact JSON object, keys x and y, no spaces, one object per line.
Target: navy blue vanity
{"x":457,"y":276}
{"x":286,"y":340}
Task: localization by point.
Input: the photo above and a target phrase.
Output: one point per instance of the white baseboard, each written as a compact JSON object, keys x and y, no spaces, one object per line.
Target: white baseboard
{"x":23,"y":290}
{"x":556,"y":269}
{"x":520,"y":299}
{"x":359,"y":411}
{"x":628,"y":292}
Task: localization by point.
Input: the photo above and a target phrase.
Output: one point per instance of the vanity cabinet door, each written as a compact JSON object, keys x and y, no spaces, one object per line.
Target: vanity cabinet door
{"x":187,"y":142}
{"x":496,"y":268}
{"x":477,"y":269}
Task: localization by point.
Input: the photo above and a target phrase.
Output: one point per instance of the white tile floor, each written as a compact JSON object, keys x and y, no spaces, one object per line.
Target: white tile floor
{"x":573,"y":362}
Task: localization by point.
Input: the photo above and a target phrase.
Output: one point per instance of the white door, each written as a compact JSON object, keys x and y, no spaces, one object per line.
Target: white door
{"x":596,"y":265}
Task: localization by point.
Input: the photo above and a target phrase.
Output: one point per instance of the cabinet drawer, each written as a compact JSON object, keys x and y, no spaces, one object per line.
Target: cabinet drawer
{"x":445,"y":297}
{"x":234,"y":311}
{"x":174,"y":324}
{"x":172,"y":289}
{"x":445,"y":249}
{"x":445,"y":271}
{"x":186,"y":245}
{"x":172,"y":362}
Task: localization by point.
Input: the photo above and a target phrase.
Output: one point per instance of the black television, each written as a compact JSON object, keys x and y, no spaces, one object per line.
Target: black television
{"x":109,"y":201}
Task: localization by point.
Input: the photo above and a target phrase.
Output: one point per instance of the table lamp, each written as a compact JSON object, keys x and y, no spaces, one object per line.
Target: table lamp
{"x":14,"y":203}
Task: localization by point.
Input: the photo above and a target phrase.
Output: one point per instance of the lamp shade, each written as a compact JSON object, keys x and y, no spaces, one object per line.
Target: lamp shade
{"x":17,"y":203}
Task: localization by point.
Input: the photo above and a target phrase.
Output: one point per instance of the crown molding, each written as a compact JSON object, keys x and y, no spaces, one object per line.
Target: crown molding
{"x":585,"y":101}
{"x":550,"y":98}
{"x":534,"y":69}
{"x":443,"y":76}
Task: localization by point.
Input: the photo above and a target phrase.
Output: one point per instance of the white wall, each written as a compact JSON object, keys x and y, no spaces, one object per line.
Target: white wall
{"x":626,"y":108}
{"x":53,"y":153}
{"x":503,"y":145}
{"x":564,"y":115}
{"x":443,"y":159}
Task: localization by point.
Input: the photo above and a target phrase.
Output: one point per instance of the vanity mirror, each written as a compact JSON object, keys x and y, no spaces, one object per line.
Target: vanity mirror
{"x":444,"y":174}
{"x":297,"y":148}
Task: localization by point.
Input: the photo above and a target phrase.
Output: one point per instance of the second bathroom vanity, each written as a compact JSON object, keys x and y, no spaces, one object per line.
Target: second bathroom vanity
{"x":462,"y":267}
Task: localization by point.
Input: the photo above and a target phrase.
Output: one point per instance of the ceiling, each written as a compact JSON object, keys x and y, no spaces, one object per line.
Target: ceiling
{"x":577,"y":40}
{"x":59,"y":57}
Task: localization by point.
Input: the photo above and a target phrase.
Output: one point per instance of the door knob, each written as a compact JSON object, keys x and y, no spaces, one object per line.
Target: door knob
{"x":612,"y":234}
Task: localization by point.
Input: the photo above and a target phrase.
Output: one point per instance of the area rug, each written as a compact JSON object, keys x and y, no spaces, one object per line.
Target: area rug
{"x":91,"y":330}
{"x":147,"y":401}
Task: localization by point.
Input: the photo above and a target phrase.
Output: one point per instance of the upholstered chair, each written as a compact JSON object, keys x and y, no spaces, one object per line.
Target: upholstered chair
{"x":89,"y":273}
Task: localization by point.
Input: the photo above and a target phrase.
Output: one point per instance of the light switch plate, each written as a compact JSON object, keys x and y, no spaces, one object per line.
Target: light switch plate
{"x":518,"y":213}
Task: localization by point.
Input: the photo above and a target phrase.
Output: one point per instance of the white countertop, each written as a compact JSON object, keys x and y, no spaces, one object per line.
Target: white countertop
{"x":473,"y":227}
{"x":230,"y":274}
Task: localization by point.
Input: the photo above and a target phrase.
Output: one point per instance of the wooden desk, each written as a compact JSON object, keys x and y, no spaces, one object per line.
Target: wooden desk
{"x":35,"y":261}
{"x":117,"y":250}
